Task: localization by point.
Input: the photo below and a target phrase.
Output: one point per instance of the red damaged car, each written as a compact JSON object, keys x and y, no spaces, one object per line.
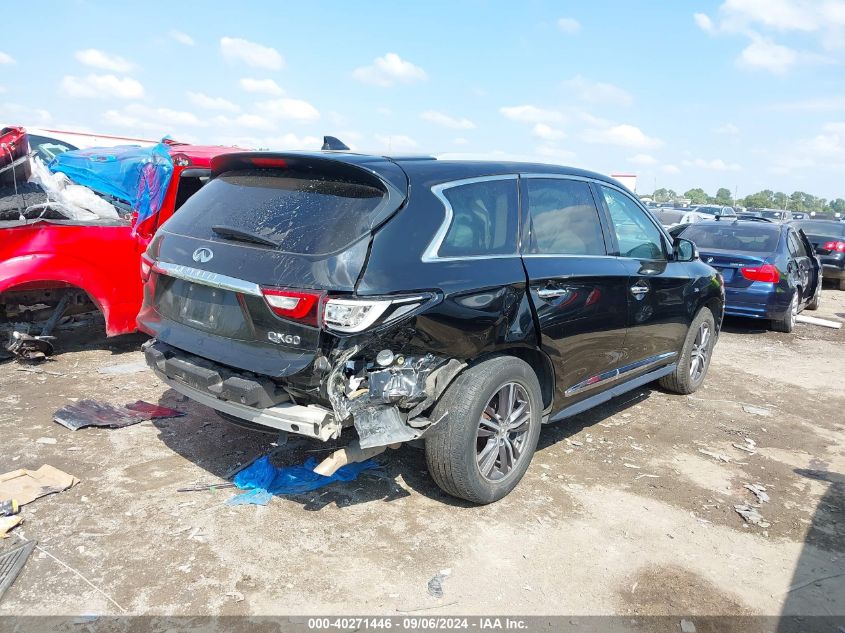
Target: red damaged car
{"x":57,"y":272}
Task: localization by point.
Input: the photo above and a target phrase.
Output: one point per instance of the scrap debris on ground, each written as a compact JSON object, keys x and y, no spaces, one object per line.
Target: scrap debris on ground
{"x":92,"y":413}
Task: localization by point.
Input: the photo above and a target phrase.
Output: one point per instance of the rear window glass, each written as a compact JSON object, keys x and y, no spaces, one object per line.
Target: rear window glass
{"x":754,"y":238}
{"x":300,"y":213}
{"x":816,"y":227}
{"x":484,"y":219}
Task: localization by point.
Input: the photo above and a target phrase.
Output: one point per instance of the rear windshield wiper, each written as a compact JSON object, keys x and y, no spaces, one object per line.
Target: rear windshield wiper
{"x":232,"y":233}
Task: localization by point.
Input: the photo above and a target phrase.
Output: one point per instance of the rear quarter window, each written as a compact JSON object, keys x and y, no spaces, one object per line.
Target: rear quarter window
{"x":484,"y":218}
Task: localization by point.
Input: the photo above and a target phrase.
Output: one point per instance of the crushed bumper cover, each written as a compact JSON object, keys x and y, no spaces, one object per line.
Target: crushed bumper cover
{"x":241,"y":395}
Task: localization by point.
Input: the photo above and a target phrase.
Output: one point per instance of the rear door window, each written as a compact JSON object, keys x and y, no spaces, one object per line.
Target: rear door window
{"x":484,"y":219}
{"x":636,"y":234}
{"x":563,"y":218}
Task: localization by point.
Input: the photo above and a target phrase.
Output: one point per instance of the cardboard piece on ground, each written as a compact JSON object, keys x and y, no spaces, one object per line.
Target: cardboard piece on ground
{"x":7,"y":523}
{"x":26,"y":486}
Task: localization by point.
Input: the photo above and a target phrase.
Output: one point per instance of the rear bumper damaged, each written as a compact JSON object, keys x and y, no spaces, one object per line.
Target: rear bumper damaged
{"x":385,"y":404}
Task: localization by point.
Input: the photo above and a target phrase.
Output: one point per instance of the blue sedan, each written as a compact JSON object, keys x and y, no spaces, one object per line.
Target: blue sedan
{"x":770,"y":270}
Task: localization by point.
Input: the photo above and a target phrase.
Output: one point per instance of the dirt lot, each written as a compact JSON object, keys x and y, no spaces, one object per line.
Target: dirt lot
{"x":620,"y":513}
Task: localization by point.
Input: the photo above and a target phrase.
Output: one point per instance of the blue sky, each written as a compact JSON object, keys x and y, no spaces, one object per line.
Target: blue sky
{"x":745,"y":94}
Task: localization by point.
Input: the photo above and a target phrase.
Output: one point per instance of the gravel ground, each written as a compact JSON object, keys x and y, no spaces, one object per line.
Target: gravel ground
{"x":623,"y":511}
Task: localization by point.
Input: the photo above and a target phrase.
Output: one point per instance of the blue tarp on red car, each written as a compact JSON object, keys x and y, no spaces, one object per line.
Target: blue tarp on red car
{"x":137,"y":175}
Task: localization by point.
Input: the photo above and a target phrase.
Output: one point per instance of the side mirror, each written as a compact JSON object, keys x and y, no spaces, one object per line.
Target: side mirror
{"x":685,"y":251}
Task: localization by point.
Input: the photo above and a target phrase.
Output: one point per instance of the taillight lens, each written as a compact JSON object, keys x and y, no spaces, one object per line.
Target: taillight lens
{"x":836,"y":247}
{"x":356,"y":315}
{"x":295,"y":305}
{"x":766,"y":272}
{"x":146,"y":267}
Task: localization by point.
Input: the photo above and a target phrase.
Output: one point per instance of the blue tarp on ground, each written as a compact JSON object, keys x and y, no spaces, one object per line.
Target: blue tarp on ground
{"x":289,"y":480}
{"x":138,"y":175}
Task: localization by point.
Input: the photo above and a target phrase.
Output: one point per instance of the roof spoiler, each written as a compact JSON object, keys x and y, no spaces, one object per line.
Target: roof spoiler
{"x":333,"y":143}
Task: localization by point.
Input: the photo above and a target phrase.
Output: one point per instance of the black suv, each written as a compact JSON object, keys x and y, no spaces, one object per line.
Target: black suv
{"x":461,"y":303}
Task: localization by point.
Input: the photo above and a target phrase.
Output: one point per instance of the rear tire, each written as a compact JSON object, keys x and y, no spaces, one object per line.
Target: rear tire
{"x":692,"y":366}
{"x":472,"y":434}
{"x":787,"y":323}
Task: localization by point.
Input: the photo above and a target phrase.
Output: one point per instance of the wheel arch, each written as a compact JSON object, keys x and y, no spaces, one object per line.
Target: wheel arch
{"x":538,"y":360}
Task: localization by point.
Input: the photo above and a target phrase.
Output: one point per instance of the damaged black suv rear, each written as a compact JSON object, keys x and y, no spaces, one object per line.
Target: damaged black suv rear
{"x":460,"y":303}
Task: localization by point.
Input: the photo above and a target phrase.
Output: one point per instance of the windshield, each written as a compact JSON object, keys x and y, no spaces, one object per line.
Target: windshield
{"x":300,"y":212}
{"x":755,"y":238}
{"x":773,"y":215}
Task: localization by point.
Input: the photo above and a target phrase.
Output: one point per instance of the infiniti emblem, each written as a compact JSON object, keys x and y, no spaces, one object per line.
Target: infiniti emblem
{"x":203,"y":255}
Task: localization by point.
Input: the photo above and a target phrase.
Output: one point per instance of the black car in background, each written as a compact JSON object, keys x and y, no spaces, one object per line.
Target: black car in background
{"x":828,"y":240}
{"x":769,"y":269}
{"x":461,"y":303}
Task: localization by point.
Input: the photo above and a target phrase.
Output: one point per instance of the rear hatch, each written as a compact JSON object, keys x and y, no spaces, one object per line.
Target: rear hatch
{"x":285,"y":230}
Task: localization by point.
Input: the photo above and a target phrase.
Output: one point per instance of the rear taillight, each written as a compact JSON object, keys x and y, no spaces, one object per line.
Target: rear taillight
{"x":295,"y":305}
{"x":766,"y":272}
{"x":146,"y":268}
{"x":835,"y":247}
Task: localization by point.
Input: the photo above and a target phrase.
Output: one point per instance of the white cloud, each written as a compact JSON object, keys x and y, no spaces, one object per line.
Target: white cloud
{"x":384,"y":111}
{"x":704,"y":22}
{"x":728,"y":129}
{"x":624,"y":135}
{"x":556,"y":153}
{"x":202,"y":100}
{"x":248,"y":121}
{"x":644,"y":160}
{"x":6,"y":59}
{"x":671,"y":169}
{"x":570,"y":26}
{"x":292,"y":109}
{"x":764,"y":54}
{"x":716,"y":164}
{"x":98,"y":59}
{"x":548,"y":133}
{"x":396,"y":142}
{"x":440,"y":118}
{"x":597,"y":91}
{"x":530,"y":114}
{"x":235,"y":49}
{"x":182,"y":38}
{"x":388,"y":70}
{"x":160,"y":121}
{"x":101,"y":87}
{"x":18,"y":114}
{"x":265,"y":86}
{"x":460,"y":141}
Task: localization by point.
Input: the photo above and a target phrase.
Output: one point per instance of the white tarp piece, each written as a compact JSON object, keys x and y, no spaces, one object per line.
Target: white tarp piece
{"x":77,"y":202}
{"x":801,"y":318}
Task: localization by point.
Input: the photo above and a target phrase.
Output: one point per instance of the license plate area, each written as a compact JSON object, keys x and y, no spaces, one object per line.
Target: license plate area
{"x":202,"y":307}
{"x":727,"y":273}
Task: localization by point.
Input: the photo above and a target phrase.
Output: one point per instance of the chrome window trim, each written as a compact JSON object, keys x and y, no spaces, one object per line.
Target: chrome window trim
{"x":208,"y":278}
{"x":613,"y":375}
{"x":430,"y":253}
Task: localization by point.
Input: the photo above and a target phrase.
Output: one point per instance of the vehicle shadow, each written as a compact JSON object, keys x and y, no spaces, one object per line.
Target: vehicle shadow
{"x":815,"y":600}
{"x":220,"y":447}
{"x":742,"y":325}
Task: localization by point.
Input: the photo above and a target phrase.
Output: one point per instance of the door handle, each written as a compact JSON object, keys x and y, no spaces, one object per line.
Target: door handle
{"x":639,"y":291}
{"x":552,"y":293}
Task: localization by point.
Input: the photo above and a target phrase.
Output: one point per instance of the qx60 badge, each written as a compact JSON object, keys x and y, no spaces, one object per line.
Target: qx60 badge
{"x":203,"y":255}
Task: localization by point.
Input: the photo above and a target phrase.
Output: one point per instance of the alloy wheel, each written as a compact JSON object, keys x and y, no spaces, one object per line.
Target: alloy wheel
{"x":503,"y":431}
{"x":700,"y":352}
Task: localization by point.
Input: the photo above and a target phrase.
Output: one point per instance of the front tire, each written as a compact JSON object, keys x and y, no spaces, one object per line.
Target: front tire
{"x":694,"y":362}
{"x":491,"y":421}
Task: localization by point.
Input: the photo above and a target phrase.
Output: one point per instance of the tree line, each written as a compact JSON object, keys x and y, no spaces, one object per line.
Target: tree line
{"x":798,"y":201}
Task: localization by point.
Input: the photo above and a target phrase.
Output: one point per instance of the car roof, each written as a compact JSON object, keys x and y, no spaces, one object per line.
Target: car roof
{"x":740,"y":222}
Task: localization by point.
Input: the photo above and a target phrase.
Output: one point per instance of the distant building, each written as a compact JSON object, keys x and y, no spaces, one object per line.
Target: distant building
{"x":628,"y":180}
